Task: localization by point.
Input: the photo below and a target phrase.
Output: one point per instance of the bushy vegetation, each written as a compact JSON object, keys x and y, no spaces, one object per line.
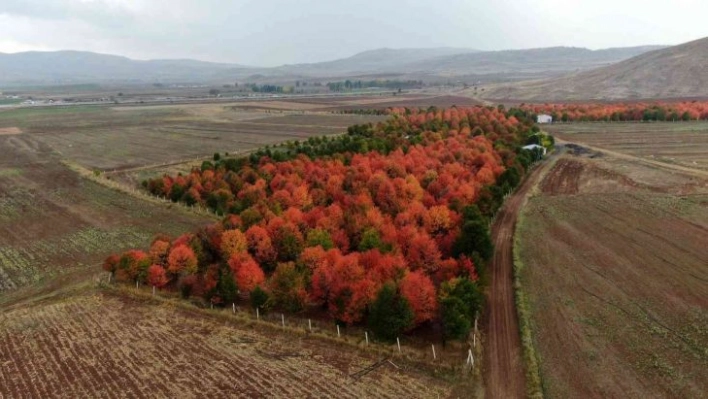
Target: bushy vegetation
{"x":398,"y":221}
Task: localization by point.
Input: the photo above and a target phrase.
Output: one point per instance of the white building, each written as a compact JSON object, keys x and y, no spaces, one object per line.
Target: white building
{"x":543,"y":118}
{"x":532,"y":147}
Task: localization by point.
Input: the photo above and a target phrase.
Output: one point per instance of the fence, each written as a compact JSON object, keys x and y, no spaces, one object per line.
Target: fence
{"x":456,"y":357}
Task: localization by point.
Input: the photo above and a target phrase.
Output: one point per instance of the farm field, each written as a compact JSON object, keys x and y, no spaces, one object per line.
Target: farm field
{"x":103,"y":345}
{"x":52,"y":221}
{"x":615,"y":270}
{"x":684,"y":144}
{"x":109,"y":138}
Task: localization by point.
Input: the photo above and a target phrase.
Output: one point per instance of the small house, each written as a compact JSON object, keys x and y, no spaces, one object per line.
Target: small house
{"x":544,"y":118}
{"x":533,"y":147}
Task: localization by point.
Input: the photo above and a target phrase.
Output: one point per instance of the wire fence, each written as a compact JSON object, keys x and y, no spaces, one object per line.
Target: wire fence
{"x":452,"y":355}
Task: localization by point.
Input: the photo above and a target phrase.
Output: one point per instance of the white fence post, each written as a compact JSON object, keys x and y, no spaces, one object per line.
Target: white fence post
{"x":366,"y":335}
{"x":434,"y":356}
{"x":258,"y":314}
{"x":398,"y":341}
{"x":233,"y":308}
{"x":309,"y":322}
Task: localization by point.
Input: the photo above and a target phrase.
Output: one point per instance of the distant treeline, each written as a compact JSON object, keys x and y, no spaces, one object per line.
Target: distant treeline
{"x":361,"y":84}
{"x":615,"y":112}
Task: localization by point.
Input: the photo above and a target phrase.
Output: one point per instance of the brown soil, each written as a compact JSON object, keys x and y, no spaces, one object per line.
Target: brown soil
{"x":504,"y":371}
{"x":108,"y":345}
{"x":615,"y":271}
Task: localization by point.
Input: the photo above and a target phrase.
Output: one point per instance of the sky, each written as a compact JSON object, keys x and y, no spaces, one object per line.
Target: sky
{"x":276,"y":32}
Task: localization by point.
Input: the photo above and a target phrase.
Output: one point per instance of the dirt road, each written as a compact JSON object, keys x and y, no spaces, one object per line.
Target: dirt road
{"x":504,"y":370}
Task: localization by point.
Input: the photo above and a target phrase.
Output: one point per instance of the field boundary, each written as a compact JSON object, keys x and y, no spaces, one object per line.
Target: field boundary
{"x":534,"y":381}
{"x":111,"y":184}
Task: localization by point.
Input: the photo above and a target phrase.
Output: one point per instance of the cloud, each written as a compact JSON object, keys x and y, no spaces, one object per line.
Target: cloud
{"x":284,"y":31}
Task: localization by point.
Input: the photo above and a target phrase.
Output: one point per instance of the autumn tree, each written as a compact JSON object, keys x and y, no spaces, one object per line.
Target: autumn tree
{"x":111,"y":264}
{"x":157,"y":276}
{"x":233,"y":242}
{"x":246,"y":271}
{"x":419,"y":291}
{"x":182,"y":260}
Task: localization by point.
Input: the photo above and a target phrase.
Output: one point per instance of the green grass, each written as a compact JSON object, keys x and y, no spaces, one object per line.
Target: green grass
{"x":534,"y":383}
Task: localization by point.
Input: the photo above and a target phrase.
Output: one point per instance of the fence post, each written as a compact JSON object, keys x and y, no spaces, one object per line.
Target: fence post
{"x":434,"y":356}
{"x":398,"y":341}
{"x":282,"y":318}
{"x":258,"y":315}
{"x":366,"y":335}
{"x":136,"y":284}
{"x":309,"y":322}
{"x":233,"y":308}
{"x":153,"y":290}
{"x":338,"y":334}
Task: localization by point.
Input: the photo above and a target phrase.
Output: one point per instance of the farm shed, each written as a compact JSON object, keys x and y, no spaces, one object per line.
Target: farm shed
{"x":532,"y":147}
{"x":544,"y":118}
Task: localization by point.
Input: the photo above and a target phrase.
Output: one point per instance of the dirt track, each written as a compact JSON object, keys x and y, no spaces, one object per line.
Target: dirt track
{"x":504,"y":370}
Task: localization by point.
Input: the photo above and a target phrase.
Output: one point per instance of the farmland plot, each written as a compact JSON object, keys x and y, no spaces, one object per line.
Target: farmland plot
{"x":126,"y":137}
{"x":52,"y":221}
{"x":684,"y":143}
{"x":106,"y":346}
{"x":615,"y":268}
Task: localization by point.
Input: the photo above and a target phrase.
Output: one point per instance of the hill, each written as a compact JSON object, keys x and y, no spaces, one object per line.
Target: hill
{"x":75,"y":67}
{"x":540,"y":61}
{"x":66,"y":67}
{"x":373,"y":61}
{"x":675,"y":72}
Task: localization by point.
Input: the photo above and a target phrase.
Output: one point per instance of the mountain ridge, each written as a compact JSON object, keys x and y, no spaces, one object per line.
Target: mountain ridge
{"x":674,"y":72}
{"x":72,"y":66}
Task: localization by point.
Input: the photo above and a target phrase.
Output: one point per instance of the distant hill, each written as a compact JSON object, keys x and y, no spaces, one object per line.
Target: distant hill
{"x":674,"y":72}
{"x":74,"y":67}
{"x":66,"y":67}
{"x":374,"y":61}
{"x":543,"y":61}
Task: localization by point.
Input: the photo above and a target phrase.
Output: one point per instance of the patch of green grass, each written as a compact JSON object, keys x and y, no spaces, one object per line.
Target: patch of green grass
{"x":10,"y":172}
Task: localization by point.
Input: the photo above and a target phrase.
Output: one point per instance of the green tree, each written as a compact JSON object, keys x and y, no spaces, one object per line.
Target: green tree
{"x":259,"y":298}
{"x":320,"y":237}
{"x":456,"y":324}
{"x":474,"y":238}
{"x":390,"y":313}
{"x":460,"y":300}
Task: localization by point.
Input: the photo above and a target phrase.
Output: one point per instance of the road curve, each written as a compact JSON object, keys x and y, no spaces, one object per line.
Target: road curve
{"x":504,"y":375}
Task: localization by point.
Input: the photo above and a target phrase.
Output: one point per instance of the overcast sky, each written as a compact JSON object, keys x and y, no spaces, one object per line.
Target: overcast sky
{"x":274,"y":32}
